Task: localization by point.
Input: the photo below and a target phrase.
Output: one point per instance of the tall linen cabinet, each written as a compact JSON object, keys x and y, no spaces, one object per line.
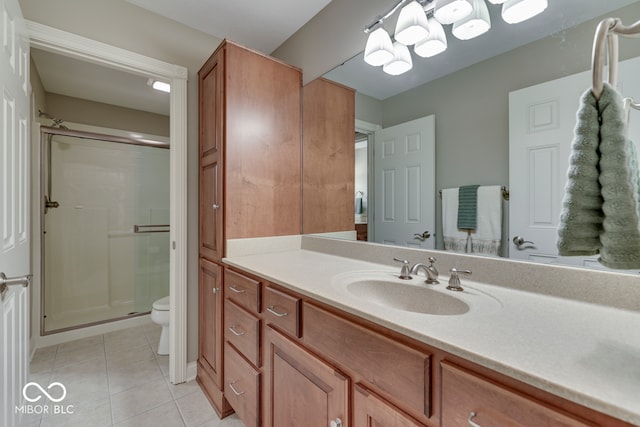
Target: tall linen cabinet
{"x":250,"y":177}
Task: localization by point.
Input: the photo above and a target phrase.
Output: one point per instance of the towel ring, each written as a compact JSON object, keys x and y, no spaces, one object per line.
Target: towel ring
{"x":607,"y":31}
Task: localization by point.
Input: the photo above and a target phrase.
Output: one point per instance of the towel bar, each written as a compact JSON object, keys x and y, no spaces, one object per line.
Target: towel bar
{"x":505,"y":193}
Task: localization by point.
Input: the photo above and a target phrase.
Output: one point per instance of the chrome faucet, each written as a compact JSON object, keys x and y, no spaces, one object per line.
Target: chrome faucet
{"x":429,"y":270}
{"x":404,"y":273}
{"x":454,"y":279}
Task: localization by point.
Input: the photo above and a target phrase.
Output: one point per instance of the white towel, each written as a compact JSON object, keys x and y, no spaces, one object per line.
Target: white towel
{"x":454,"y":239}
{"x":487,"y":237}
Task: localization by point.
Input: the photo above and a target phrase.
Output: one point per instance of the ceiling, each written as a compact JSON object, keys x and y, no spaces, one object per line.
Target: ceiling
{"x":263,"y":26}
{"x":260,"y":25}
{"x":502,"y":37}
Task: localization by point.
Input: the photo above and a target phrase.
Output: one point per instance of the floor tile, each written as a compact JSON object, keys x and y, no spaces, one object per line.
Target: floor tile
{"x":183,"y":389}
{"x":196,"y":409}
{"x":133,"y":375}
{"x":138,"y":400}
{"x":166,"y":415}
{"x":230,"y":421}
{"x":90,"y":414}
{"x":78,"y":355}
{"x":89,"y":369}
{"x":118,"y":358}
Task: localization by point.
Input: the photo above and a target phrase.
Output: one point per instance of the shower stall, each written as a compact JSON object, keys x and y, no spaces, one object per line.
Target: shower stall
{"x":105,"y":227}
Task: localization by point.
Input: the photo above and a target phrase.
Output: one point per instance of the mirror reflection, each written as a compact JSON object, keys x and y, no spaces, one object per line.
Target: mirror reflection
{"x":480,"y":92}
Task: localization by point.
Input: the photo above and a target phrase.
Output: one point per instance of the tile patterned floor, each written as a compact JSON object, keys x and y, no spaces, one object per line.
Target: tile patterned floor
{"x":117,"y":379}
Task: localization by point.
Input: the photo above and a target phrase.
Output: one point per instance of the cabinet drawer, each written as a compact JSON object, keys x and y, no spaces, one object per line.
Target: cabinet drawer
{"x":399,"y":373}
{"x":242,"y":330}
{"x":242,"y":387}
{"x":242,"y":290}
{"x":467,"y":398}
{"x":282,"y":310}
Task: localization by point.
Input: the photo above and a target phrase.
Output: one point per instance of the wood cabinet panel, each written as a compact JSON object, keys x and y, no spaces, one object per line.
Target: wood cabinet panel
{"x":210,"y":319}
{"x":304,"y":391}
{"x":263,"y":146}
{"x":370,"y":410}
{"x":282,"y":310}
{"x":400,"y":373}
{"x":467,"y":397}
{"x":242,"y":387}
{"x":242,"y":290}
{"x":328,"y":152}
{"x":242,"y":330}
{"x":211,"y":214}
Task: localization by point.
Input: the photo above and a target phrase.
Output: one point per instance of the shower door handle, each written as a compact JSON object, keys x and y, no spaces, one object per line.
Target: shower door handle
{"x":5,"y":282}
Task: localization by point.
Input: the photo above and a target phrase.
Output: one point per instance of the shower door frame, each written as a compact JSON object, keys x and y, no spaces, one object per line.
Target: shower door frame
{"x":45,"y":183}
{"x":85,"y":49}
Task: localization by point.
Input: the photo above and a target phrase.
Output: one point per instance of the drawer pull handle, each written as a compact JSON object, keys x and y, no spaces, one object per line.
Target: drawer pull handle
{"x":470,"y":420}
{"x":236,"y":290}
{"x":233,"y":389}
{"x":235,"y":332}
{"x":272,"y":309}
{"x":335,"y":423}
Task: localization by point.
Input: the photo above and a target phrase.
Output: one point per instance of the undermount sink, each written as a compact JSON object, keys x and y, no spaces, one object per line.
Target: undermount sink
{"x":385,"y":289}
{"x":407,"y":297}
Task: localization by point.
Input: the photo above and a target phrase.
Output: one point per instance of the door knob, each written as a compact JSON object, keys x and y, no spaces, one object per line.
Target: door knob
{"x":5,"y":282}
{"x":422,"y":237}
{"x":519,"y":241}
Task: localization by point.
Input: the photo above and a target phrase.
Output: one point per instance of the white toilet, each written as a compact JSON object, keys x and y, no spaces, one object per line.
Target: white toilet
{"x":160,"y":316}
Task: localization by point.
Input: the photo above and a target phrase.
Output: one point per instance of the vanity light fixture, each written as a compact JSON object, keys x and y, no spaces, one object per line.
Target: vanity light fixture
{"x":420,"y":24}
{"x":158,"y":85}
{"x":412,"y":25}
{"x":435,"y":43}
{"x":401,"y":62}
{"x":515,"y":11}
{"x":379,"y":48}
{"x":475,"y":24}
{"x":450,"y":11}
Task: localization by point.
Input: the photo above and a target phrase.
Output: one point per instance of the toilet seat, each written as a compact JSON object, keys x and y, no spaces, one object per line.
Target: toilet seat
{"x":162,"y":304}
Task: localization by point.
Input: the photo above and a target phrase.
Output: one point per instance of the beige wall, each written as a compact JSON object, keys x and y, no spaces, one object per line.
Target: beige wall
{"x":124,"y":25}
{"x":368,"y":109}
{"x":105,"y":115}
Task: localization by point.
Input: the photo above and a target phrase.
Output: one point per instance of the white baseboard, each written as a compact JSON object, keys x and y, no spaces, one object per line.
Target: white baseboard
{"x":192,"y":370}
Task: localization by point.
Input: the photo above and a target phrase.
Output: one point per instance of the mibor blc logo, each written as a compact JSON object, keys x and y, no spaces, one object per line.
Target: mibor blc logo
{"x":55,"y":393}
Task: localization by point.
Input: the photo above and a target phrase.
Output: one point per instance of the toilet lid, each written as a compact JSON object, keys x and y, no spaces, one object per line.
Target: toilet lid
{"x":162,"y":304}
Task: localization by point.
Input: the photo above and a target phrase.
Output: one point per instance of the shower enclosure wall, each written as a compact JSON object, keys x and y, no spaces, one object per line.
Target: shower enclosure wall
{"x":105,"y":216}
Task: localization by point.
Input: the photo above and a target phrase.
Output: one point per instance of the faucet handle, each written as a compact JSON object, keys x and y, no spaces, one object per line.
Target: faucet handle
{"x":454,"y":279}
{"x":405,"y":273}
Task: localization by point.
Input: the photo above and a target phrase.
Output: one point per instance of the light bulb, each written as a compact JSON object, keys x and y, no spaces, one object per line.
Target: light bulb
{"x":435,"y":43}
{"x":412,"y":25}
{"x":401,"y":62}
{"x":450,"y":11}
{"x":477,"y":23}
{"x":515,"y":11}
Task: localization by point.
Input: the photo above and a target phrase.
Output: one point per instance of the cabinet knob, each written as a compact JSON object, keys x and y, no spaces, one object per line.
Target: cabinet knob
{"x":335,"y":423}
{"x":215,"y":206}
{"x":216,"y":290}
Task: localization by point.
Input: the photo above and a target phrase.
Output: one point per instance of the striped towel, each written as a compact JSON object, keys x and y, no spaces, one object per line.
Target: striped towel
{"x":468,"y":207}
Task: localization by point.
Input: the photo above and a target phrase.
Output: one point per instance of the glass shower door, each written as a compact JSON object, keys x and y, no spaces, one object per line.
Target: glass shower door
{"x":106,"y":244}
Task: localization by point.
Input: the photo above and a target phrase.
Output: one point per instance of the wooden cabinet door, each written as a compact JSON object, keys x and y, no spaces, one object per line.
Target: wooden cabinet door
{"x":211,"y":95}
{"x":210,"y":319}
{"x":370,"y":410}
{"x":302,"y":390}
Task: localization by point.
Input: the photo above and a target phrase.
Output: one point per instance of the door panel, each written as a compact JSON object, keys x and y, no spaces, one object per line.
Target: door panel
{"x":405,"y":184}
{"x":14,"y":210}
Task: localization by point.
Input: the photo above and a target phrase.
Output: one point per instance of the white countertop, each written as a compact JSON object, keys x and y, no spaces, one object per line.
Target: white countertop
{"x":584,"y":352}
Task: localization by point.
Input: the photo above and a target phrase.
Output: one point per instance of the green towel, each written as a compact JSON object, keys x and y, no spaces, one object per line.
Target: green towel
{"x":619,"y":178}
{"x":581,"y":216}
{"x":468,"y":207}
{"x":601,"y":206}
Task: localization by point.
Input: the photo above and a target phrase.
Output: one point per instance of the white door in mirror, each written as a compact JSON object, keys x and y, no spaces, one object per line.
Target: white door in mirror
{"x":405,"y":184}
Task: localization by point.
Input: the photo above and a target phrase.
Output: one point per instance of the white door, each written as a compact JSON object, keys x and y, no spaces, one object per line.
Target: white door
{"x":541,"y":123}
{"x":14,"y":211}
{"x":404,"y":167}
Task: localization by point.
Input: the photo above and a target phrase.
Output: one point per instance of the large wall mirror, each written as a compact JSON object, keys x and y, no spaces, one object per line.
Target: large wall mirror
{"x":467,"y":88}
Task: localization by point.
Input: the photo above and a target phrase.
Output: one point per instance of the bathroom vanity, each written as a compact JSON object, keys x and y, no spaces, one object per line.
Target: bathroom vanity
{"x":304,"y":345}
